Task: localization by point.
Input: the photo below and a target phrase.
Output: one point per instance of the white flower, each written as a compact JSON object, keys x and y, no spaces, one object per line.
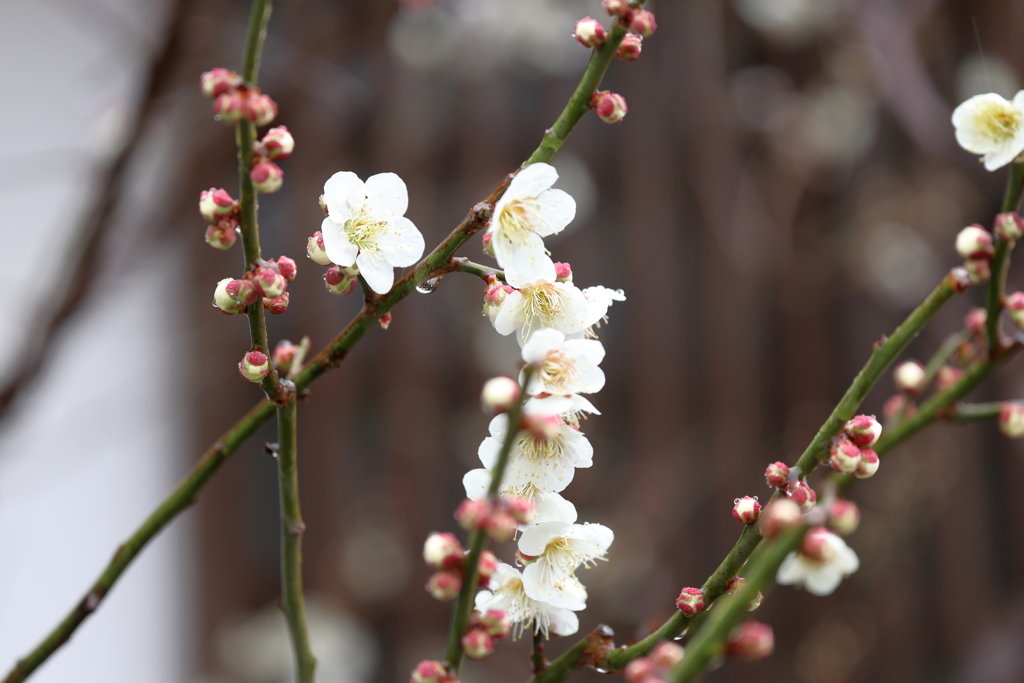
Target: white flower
{"x":599,"y":300}
{"x":528,"y":211}
{"x":560,"y":548}
{"x":558,"y":305}
{"x":547,"y":465}
{"x":817,"y":576}
{"x":548,"y":506}
{"x":569,"y":408}
{"x":991,"y":126}
{"x":366,"y":225}
{"x":564,"y":366}
{"x":508,"y":594}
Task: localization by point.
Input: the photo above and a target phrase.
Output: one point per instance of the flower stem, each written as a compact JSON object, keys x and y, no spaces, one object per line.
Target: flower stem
{"x":971,"y":412}
{"x":464,"y":265}
{"x":537,"y":658}
{"x":1001,"y":261}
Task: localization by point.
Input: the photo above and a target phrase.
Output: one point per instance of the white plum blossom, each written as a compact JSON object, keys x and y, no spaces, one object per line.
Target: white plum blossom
{"x":991,"y":126}
{"x":548,"y":506}
{"x":560,"y":548}
{"x":558,"y":305}
{"x":508,"y":594}
{"x":528,"y":211}
{"x":569,"y":408}
{"x":817,"y":576}
{"x":564,"y":366}
{"x":548,"y":465}
{"x":599,"y":300}
{"x":366,"y":225}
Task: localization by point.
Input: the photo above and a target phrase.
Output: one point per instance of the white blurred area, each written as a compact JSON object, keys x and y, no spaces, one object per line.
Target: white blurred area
{"x":93,"y":447}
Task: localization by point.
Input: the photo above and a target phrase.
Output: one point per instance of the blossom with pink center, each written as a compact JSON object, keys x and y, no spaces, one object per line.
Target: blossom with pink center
{"x":822,"y":574}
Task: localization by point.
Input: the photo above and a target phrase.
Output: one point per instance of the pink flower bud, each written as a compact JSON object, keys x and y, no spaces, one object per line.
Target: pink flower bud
{"x":260,"y":109}
{"x":780,"y":515}
{"x":864,"y":430}
{"x":499,"y":395}
{"x":1011,"y":419}
{"x":751,"y":641}
{"x":229,"y":107}
{"x":909,"y":377}
{"x":215,"y":204}
{"x":269,"y":282}
{"x":844,"y":455}
{"x":641,"y":670}
{"x":897,"y":404}
{"x":284,"y":356}
{"x":243,"y":291}
{"x":543,"y":427}
{"x":777,"y":474}
{"x":979,"y":271}
{"x":315,"y":249}
{"x":974,"y":242}
{"x":218,"y":81}
{"x":444,"y":585}
{"x":254,"y":366}
{"x":278,"y":143}
{"x":287,"y":268}
{"x":746,"y":510}
{"x":267,"y":177}
{"x":610,"y":107}
{"x":974,"y":321}
{"x":477,"y":644}
{"x":590,"y":32}
{"x":443,"y":551}
{"x":339,"y":281}
{"x":1009,"y":226}
{"x":222,"y":234}
{"x":630,"y":47}
{"x":690,"y":601}
{"x":486,"y":566}
{"x":802,"y":494}
{"x":816,"y":546}
{"x":385,"y":321}
{"x":617,"y":8}
{"x":1015,"y":309}
{"x":521,"y":509}
{"x":223,"y":300}
{"x":473,"y":514}
{"x":501,"y":526}
{"x":868,"y":464}
{"x":666,"y":655}
{"x":843,"y":516}
{"x":495,"y":623}
{"x":563,"y":272}
{"x":494,"y":295}
{"x":278,"y":304}
{"x":643,"y":23}
{"x":947,"y":376}
{"x":487,"y":242}
{"x":430,"y":672}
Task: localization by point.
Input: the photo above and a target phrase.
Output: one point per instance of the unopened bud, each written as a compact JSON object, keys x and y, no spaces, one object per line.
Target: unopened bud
{"x":278,"y":143}
{"x":630,"y":47}
{"x":947,"y":376}
{"x":802,"y":494}
{"x":486,"y":566}
{"x":243,"y":291}
{"x":269,"y":282}
{"x":590,"y":32}
{"x":975,"y":320}
{"x":260,"y":109}
{"x":444,"y":585}
{"x":864,"y":430}
{"x":843,"y":516}
{"x":222,"y":234}
{"x":617,"y":8}
{"x":218,"y":81}
{"x":494,"y":295}
{"x":690,"y":601}
{"x":385,"y":321}
{"x":223,"y":300}
{"x":1009,"y":226}
{"x":267,"y":177}
{"x":643,"y":23}
{"x":278,"y":304}
{"x":780,"y":515}
{"x":315,"y":249}
{"x":979,"y":270}
{"x":521,"y":509}
{"x":1015,"y":309}
{"x":746,"y":510}
{"x":642,"y":670}
{"x":974,"y":242}
{"x":817,"y":546}
{"x":495,"y":623}
{"x":215,"y":204}
{"x":338,"y":280}
{"x":254,"y":366}
{"x":1011,"y":419}
{"x":287,"y":268}
{"x":666,"y":655}
{"x":429,"y":671}
{"x":610,"y":107}
{"x":868,"y":464}
{"x":477,"y":644}
{"x":543,"y":427}
{"x":284,"y":356}
{"x":898,"y":405}
{"x":563,"y":272}
{"x":499,"y":395}
{"x":473,"y":514}
{"x":501,"y":527}
{"x":751,"y":641}
{"x":844,"y":455}
{"x":909,"y":377}
{"x":777,"y":474}
{"x":229,"y":107}
{"x":488,"y":242}
{"x":443,"y":551}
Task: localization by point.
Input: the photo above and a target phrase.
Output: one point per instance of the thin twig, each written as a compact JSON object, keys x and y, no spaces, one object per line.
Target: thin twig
{"x":1001,"y":262}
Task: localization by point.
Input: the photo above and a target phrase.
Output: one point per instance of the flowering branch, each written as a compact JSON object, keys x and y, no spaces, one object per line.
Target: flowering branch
{"x":1001,"y":261}
{"x":464,"y":265}
{"x":970,"y":412}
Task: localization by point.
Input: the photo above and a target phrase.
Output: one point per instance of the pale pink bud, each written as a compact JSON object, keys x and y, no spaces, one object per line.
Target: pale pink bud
{"x":495,"y":623}
{"x":278,"y":143}
{"x":284,"y":356}
{"x":947,"y":376}
{"x":218,"y":81}
{"x":278,"y":304}
{"x":229,"y":107}
{"x":780,"y":515}
{"x":260,"y":109}
{"x":802,"y":494}
{"x":974,"y":242}
{"x":315,"y":249}
{"x":215,"y":204}
{"x":473,"y":514}
{"x":630,"y":47}
{"x":816,"y":546}
{"x":563,"y":272}
{"x":494,"y":295}
{"x":521,"y":509}
{"x":868,"y":464}
{"x":487,"y":240}
{"x":385,"y":320}
{"x":864,"y":430}
{"x":690,"y":601}
{"x":746,"y":510}
{"x":1011,"y":419}
{"x":844,"y":516}
{"x":543,"y":427}
{"x":222,"y":234}
{"x":610,"y":107}
{"x":477,"y":644}
{"x":269,"y":282}
{"x":898,"y":404}
{"x":590,"y":32}
{"x":323,"y":207}
{"x":443,"y":551}
{"x":978,"y":270}
{"x":501,"y":526}
{"x":617,"y":8}
{"x":751,"y":641}
{"x":641,"y":670}
{"x":486,"y":566}
{"x":844,"y":455}
{"x":777,"y":474}
{"x":338,"y":280}
{"x":223,"y":300}
{"x":243,"y":291}
{"x":429,"y":672}
{"x":909,"y":377}
{"x":287,"y":267}
{"x":267,"y":177}
{"x":1015,"y":309}
{"x":666,"y":655}
{"x":1009,"y":226}
{"x":254,"y":366}
{"x":643,"y":23}
{"x":974,"y":321}
{"x":444,"y":586}
{"x":499,"y":395}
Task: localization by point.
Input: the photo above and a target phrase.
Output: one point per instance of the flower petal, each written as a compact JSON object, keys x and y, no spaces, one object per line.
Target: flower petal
{"x":509,"y":315}
{"x":386,"y":195}
{"x":377,"y":273}
{"x":401,"y":243}
{"x":556,"y":209}
{"x":541,"y":343}
{"x":336,"y":243}
{"x":535,"y":539}
{"x":823,"y":581}
{"x":563,"y":622}
{"x":344,"y":194}
{"x":531,"y":181}
{"x":477,"y":482}
{"x":524,"y":262}
{"x":791,"y":571}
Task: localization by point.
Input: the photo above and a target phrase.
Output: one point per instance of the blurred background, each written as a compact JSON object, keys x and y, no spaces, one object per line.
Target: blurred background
{"x":785,"y":188}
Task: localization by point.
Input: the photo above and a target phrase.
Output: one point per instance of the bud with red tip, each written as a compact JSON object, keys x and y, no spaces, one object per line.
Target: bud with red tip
{"x":617,"y":8}
{"x":486,"y":566}
{"x":269,"y":282}
{"x":844,"y":455}
{"x":817,"y":546}
{"x":590,"y":32}
{"x":443,"y":551}
{"x":499,"y":395}
{"x":488,"y":244}
{"x":501,"y":527}
{"x":254,"y":366}
{"x":975,"y":320}
{"x":610,"y":107}
{"x":477,"y":644}
{"x":909,"y":377}
{"x":284,"y":356}
{"x":777,"y":474}
{"x":690,"y":601}
{"x":803,"y":495}
{"x":898,"y":405}
{"x":473,"y":514}
{"x":243,"y":291}
{"x":223,"y":299}
{"x":563,"y":272}
{"x":339,"y":280}
{"x":229,"y":107}
{"x":444,"y":585}
{"x":869,"y":462}
{"x":278,"y":304}
{"x":494,"y":622}
{"x":746,"y":510}
{"x":1015,"y":309}
{"x":315,"y":249}
{"x":267,"y":177}
{"x":429,"y":671}
{"x":218,"y":81}
{"x":630,"y":47}
{"x":223,"y":233}
{"x":260,"y":109}
{"x":780,"y":515}
{"x":215,"y":204}
{"x":1009,"y":226}
{"x":843,"y":516}
{"x":974,"y":242}
{"x":751,"y":641}
{"x":643,"y":23}
{"x":543,"y":427}
{"x":864,"y":430}
{"x":494,"y":296}
{"x":385,"y":321}
{"x":521,"y":509}
{"x":946,"y":376}
{"x":1011,"y":419}
{"x":979,"y":270}
{"x":642,"y":670}
{"x":278,"y":143}
{"x":666,"y":655}
{"x":286,"y":266}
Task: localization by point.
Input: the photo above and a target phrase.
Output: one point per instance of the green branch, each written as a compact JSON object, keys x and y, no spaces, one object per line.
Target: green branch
{"x":1001,"y":261}
{"x":972,"y":412}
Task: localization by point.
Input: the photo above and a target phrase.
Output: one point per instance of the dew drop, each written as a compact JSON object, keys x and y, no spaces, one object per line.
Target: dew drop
{"x":428,"y":286}
{"x":735,"y":500}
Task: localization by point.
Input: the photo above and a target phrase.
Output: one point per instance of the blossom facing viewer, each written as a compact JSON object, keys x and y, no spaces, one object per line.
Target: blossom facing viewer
{"x":366,"y":225}
{"x":991,"y":126}
{"x":564,"y":366}
{"x":820,"y":575}
{"x":508,"y":594}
